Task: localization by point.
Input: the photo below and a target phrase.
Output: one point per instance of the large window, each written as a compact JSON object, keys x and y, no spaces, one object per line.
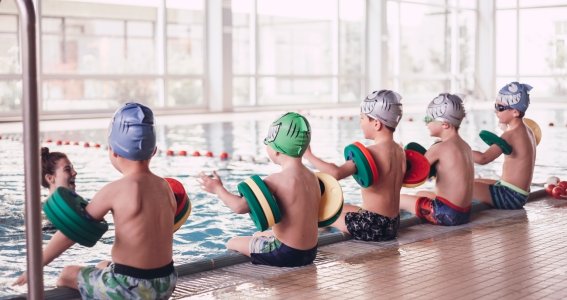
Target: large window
{"x":531,"y":46}
{"x":185,"y":53}
{"x":10,"y":69}
{"x":96,"y":54}
{"x":307,"y":52}
{"x":431,"y":48}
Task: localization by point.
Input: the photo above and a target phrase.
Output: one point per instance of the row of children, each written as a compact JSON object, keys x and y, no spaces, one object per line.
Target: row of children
{"x":143,"y":204}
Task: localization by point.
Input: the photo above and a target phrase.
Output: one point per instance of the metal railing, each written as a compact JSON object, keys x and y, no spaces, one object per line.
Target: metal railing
{"x":31,"y":149}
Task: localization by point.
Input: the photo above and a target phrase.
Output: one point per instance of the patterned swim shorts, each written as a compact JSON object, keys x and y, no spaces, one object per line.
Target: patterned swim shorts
{"x":440,"y":211}
{"x":369,"y":226}
{"x":124,"y":282}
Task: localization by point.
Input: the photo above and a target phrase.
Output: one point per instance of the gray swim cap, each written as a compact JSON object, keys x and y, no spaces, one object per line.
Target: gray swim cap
{"x":131,"y":133}
{"x":383,"y":106}
{"x":446,"y":108}
{"x":515,"y":95}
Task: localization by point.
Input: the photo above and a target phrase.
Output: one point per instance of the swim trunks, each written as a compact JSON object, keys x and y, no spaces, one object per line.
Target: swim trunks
{"x":268,"y":250}
{"x":507,"y":196}
{"x":369,"y":226}
{"x":124,"y":282}
{"x":440,"y":211}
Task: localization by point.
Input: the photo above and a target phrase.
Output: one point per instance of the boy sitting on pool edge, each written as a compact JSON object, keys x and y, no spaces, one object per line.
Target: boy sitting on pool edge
{"x":451,"y":158}
{"x":512,"y":190}
{"x":143,"y":208}
{"x":293,"y":241}
{"x":378,"y":219}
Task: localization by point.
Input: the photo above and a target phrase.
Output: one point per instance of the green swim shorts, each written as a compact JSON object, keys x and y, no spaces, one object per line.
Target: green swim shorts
{"x":124,"y":282}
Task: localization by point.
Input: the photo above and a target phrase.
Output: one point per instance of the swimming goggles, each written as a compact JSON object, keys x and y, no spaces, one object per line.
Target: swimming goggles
{"x":501,"y":108}
{"x":428,"y":119}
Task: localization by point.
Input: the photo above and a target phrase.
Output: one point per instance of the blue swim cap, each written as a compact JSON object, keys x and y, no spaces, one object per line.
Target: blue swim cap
{"x":515,"y":95}
{"x":131,"y":132}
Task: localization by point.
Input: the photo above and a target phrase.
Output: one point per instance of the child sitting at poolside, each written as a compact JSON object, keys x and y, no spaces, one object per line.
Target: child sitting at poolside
{"x":512,"y":190}
{"x":451,"y":158}
{"x":293,"y":241}
{"x":143,"y":208}
{"x":56,"y":171}
{"x":378,"y":218}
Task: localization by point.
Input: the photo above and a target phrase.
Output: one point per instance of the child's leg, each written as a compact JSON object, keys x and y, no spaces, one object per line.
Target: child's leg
{"x":481,"y":191}
{"x":428,"y":194}
{"x":103,"y":264}
{"x":240,"y":244}
{"x":340,"y":222}
{"x":264,"y":233}
{"x":68,"y":277}
{"x":407,"y":202}
{"x":487,"y":181}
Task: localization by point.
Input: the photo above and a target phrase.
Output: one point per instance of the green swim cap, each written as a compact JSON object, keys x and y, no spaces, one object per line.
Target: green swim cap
{"x":290,"y":134}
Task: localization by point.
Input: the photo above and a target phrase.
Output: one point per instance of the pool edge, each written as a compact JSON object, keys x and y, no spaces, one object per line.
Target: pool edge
{"x":233,"y":258}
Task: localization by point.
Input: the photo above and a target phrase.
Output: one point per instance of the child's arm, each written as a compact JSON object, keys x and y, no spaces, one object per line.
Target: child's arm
{"x":433,"y":153}
{"x":213,"y":184}
{"x":482,"y":158}
{"x":338,"y":172}
{"x":57,"y":245}
{"x":102,"y":201}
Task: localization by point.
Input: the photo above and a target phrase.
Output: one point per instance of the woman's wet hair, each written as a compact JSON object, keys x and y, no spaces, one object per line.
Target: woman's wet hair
{"x":49,"y":163}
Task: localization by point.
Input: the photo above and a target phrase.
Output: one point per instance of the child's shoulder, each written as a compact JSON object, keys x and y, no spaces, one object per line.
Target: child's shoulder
{"x":515,"y":133}
{"x":389,"y":144}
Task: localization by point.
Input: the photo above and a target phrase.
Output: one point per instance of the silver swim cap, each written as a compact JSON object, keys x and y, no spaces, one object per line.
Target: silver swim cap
{"x":383,"y":106}
{"x":446,"y":108}
{"x":515,"y":95}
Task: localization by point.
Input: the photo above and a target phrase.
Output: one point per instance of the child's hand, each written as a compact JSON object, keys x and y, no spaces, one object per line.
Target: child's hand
{"x":210,"y":183}
{"x":23,"y":279}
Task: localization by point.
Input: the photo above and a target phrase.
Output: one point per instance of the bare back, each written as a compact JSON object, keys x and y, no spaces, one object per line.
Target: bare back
{"x":298,"y":193}
{"x":143,"y":208}
{"x":455,"y":170}
{"x":518,"y":167}
{"x":383,"y":197}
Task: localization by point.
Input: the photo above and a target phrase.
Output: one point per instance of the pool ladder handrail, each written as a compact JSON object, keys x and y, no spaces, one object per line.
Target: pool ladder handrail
{"x":32,"y":172}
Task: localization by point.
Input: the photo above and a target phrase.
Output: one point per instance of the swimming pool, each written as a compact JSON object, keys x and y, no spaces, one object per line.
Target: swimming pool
{"x":211,"y":224}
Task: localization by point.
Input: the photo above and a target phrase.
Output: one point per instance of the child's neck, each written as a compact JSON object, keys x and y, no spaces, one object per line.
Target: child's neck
{"x":134,"y":167}
{"x":448,"y":134}
{"x":382,"y":136}
{"x":514,"y":123}
{"x":290,"y":162}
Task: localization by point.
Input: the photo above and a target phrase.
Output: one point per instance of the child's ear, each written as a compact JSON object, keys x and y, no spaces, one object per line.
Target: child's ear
{"x":516,"y":113}
{"x":50,"y":178}
{"x":378,"y":125}
{"x":445,"y":125}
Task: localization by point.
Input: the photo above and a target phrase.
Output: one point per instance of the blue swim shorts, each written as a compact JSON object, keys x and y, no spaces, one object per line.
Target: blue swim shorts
{"x":268,"y":250}
{"x":507,"y":196}
{"x":440,"y":211}
{"x":369,"y":226}
{"x":124,"y":282}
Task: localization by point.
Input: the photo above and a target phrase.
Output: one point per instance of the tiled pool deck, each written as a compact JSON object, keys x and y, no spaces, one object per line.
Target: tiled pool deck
{"x":499,"y":255}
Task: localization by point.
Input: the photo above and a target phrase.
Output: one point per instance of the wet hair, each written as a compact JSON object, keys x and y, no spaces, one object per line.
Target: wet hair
{"x":48,"y":163}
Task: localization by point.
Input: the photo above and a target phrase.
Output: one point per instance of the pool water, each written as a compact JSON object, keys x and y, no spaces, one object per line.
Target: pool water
{"x":211,"y":224}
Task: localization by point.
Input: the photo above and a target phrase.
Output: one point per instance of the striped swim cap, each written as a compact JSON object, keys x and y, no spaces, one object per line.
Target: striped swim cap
{"x":290,"y":134}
